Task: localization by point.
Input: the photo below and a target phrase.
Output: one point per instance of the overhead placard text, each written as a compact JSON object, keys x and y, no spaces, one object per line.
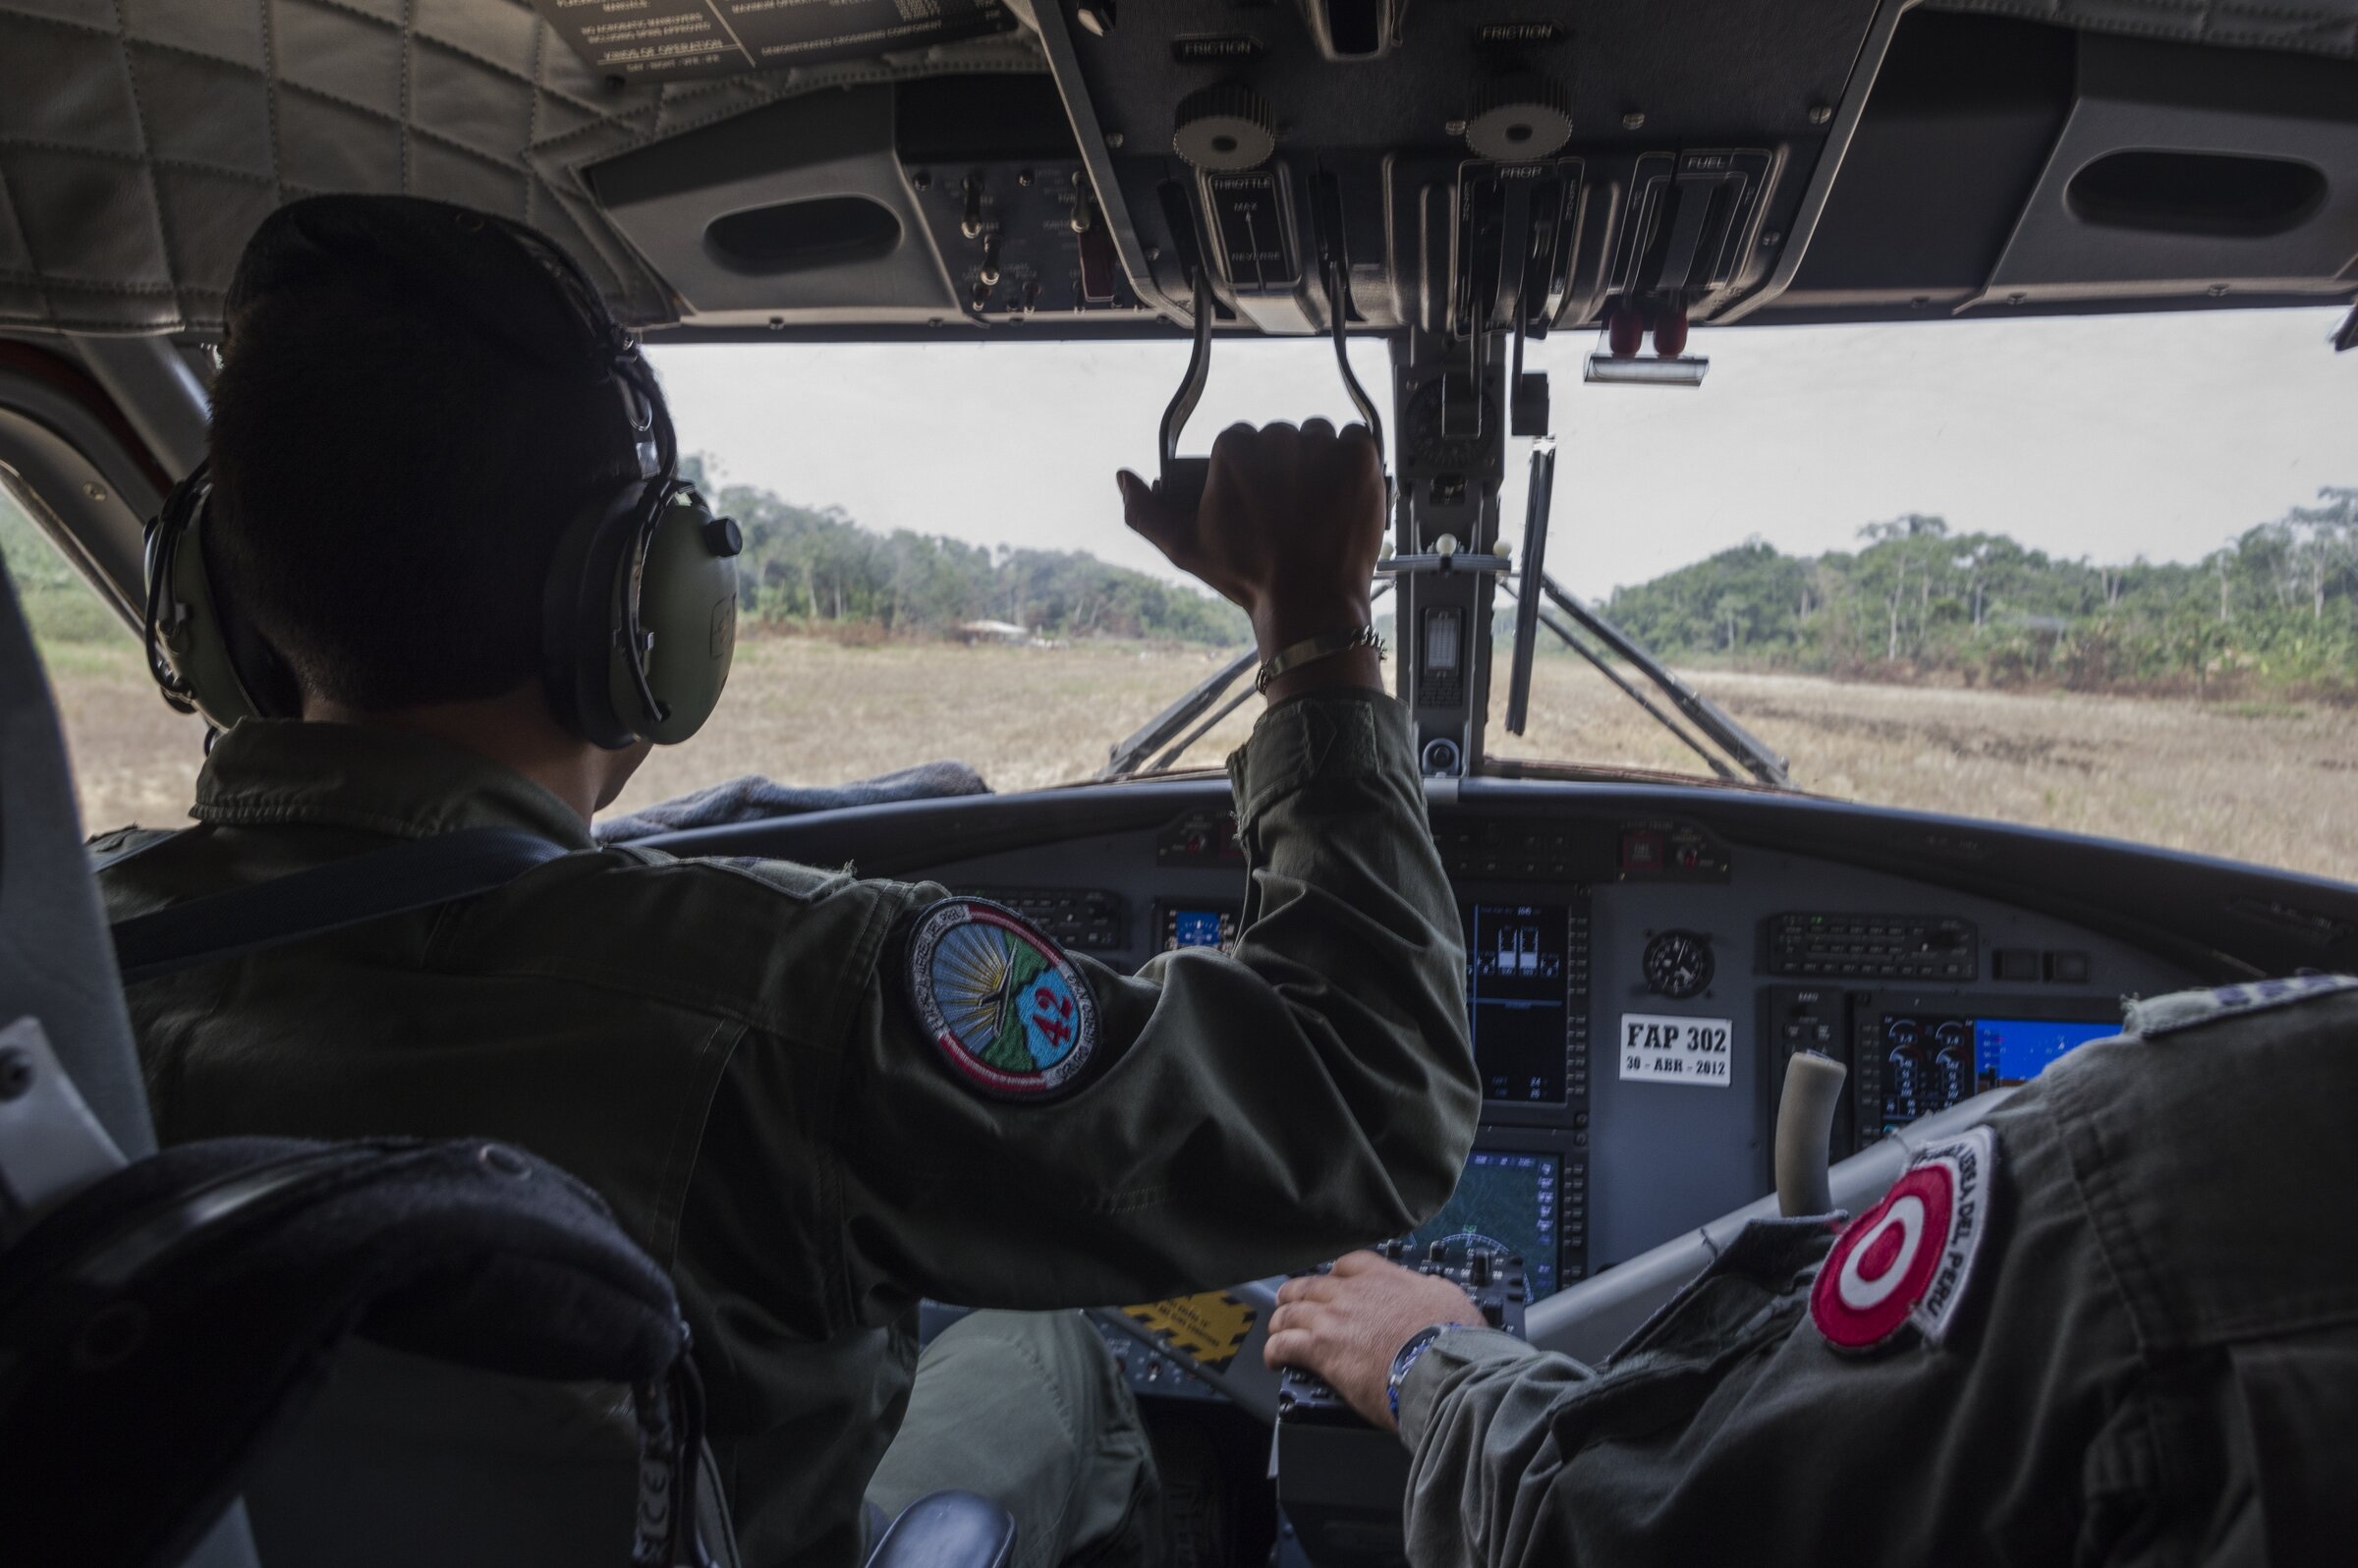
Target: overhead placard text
{"x":679,"y":40}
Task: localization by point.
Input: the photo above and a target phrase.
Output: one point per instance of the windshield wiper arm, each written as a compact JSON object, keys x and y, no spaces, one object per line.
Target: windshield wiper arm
{"x":1210,"y":722}
{"x":1131,"y":753}
{"x":1164,"y":728}
{"x":1571,"y":639}
{"x":1700,"y":711}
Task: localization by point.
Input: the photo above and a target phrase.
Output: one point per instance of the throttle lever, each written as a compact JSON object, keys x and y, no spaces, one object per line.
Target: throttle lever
{"x":1184,"y":477}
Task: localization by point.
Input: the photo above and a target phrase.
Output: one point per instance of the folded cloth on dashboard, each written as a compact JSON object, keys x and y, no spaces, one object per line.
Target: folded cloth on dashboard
{"x":752,"y":798}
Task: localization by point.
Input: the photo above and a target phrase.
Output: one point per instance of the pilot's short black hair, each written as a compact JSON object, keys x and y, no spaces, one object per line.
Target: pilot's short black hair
{"x":390,"y":479}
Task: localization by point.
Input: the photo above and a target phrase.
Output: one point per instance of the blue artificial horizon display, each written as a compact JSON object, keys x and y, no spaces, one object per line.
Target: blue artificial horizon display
{"x":1196,"y":927}
{"x":2015,"y":1051}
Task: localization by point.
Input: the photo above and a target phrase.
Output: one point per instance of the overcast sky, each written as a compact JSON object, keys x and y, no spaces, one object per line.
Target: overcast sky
{"x":2108,"y":438}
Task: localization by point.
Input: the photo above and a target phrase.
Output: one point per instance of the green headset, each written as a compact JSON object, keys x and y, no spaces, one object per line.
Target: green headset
{"x":639,"y":614}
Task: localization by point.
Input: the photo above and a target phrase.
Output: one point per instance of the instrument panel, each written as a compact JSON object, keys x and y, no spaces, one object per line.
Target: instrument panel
{"x":1636,"y":985}
{"x":1643,"y":960}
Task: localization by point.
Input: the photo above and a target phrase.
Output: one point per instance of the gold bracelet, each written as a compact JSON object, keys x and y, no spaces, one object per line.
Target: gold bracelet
{"x":1289,"y":659}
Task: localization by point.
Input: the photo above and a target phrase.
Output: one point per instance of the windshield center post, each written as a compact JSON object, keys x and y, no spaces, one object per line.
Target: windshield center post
{"x":1449,"y":417}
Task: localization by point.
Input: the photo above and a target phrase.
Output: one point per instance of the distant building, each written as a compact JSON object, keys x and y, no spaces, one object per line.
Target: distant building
{"x":996,"y":632}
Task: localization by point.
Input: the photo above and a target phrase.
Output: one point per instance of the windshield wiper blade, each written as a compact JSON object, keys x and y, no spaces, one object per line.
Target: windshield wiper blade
{"x":1164,"y":728}
{"x":1210,"y":722}
{"x":1699,"y":710}
{"x":1540,"y":500}
{"x":1131,"y":753}
{"x":1571,"y":639}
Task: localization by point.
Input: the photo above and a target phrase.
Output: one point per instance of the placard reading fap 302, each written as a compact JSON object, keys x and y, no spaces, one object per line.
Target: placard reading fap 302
{"x":1657,"y":1048}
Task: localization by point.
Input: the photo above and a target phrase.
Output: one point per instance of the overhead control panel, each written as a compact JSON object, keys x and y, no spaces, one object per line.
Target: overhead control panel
{"x":953,"y":198}
{"x":1486,"y":160}
{"x":1635,"y":170}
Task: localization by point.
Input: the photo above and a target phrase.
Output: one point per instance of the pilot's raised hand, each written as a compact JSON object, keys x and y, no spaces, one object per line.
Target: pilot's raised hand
{"x":1347,"y":1326}
{"x":1289,"y":530}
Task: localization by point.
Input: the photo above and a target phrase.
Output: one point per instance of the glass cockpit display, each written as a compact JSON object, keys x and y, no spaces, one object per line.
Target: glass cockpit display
{"x":2015,"y":1051}
{"x":1518,"y":984}
{"x":1206,"y":925}
{"x":1932,"y":1063}
{"x":1509,"y":1203}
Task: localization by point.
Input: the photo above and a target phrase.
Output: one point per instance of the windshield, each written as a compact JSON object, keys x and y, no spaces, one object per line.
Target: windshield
{"x":2089,"y":574}
{"x":2099,"y":575}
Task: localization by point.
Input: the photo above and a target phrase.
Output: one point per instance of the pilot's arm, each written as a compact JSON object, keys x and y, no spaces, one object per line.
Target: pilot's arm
{"x":2111,"y":1326}
{"x":1020,"y":1127}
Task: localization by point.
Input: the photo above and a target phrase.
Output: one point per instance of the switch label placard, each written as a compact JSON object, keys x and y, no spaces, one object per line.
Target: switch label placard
{"x":1657,"y":1048}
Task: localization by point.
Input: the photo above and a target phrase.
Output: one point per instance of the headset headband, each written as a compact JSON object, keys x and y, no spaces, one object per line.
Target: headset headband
{"x":642,"y":572}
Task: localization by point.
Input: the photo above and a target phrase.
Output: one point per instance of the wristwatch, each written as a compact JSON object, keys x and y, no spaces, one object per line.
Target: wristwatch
{"x":1406,"y":1357}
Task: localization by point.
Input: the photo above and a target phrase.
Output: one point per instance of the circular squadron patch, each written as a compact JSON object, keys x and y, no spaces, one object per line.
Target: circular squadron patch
{"x":1909,"y":1258}
{"x":1009,"y":1011}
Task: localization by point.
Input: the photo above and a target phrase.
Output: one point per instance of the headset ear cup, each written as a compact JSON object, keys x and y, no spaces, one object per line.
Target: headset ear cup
{"x":578,"y":622}
{"x":686,"y":597}
{"x":192,"y":629}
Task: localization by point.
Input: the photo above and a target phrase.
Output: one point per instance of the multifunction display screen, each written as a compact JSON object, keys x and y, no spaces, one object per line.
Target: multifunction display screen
{"x":1510,"y":1202}
{"x":1932,"y":1063}
{"x":1200,"y":926}
{"x":1519,"y":987}
{"x":2015,"y":1051}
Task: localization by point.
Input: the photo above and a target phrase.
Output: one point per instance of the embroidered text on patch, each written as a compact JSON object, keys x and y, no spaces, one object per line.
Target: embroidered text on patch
{"x":1909,"y":1260}
{"x":1008,"y":1011}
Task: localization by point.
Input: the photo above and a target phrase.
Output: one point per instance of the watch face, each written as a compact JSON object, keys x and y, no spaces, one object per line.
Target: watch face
{"x":1406,"y":1357}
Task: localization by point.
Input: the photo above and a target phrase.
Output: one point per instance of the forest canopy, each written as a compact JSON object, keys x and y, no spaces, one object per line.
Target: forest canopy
{"x":818,"y":568}
{"x":2276,"y":606}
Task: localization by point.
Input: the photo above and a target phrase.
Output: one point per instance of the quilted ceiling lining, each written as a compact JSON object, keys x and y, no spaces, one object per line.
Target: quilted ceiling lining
{"x":142,"y":141}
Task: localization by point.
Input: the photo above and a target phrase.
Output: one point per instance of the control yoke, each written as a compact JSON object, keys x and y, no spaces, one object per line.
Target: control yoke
{"x":1183,"y":478}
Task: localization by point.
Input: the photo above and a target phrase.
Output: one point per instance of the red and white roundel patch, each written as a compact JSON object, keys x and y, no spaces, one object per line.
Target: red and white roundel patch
{"x":1909,"y":1258}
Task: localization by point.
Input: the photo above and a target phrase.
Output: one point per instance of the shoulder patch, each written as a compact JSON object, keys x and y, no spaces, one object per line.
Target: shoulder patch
{"x":1909,"y":1260}
{"x":2165,"y":1015}
{"x":1011,"y":1015}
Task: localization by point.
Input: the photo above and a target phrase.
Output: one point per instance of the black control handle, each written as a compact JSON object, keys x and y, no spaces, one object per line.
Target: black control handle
{"x":1184,"y":477}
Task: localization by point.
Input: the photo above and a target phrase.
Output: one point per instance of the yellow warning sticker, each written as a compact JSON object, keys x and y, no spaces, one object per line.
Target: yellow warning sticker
{"x":1209,"y":1328}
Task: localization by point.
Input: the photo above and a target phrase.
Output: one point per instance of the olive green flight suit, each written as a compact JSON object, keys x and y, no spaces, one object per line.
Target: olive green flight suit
{"x":727,"y":1051}
{"x":2155,"y":1360}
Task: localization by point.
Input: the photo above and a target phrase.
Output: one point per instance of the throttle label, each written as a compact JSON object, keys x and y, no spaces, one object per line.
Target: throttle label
{"x":1660,"y":1049}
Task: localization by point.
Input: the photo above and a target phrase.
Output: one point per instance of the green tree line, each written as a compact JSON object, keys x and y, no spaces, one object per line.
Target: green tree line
{"x":816,"y":568}
{"x":2276,"y":606}
{"x":805,"y":568}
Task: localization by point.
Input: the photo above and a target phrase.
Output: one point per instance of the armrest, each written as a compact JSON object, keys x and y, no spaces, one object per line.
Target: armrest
{"x":947,"y":1529}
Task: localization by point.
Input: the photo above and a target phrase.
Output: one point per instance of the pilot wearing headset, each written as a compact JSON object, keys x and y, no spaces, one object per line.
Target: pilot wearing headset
{"x":2117,"y":1322}
{"x":439,"y":575}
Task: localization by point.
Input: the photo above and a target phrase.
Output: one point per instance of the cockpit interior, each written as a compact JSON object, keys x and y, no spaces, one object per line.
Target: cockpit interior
{"x":1646,"y":956}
